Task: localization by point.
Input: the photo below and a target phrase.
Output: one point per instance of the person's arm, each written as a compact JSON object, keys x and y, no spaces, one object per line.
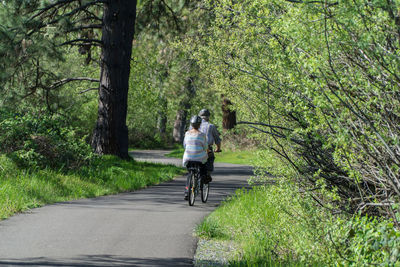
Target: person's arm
{"x":217,"y":139}
{"x":184,"y":142}
{"x":205,"y":144}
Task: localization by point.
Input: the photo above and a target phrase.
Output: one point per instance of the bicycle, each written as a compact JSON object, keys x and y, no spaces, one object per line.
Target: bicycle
{"x":196,"y":184}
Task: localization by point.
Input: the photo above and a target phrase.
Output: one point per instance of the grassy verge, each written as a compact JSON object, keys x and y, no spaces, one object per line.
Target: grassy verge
{"x":278,"y":226}
{"x":265,"y":228}
{"x":244,"y":157}
{"x":22,"y":189}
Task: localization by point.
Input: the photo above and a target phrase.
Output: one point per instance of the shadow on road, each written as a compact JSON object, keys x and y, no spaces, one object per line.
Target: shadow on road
{"x":167,"y":195}
{"x":97,"y":260}
{"x":225,"y":183}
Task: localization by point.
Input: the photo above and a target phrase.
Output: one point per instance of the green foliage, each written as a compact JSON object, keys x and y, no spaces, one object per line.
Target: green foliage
{"x":276,"y":225}
{"x":164,"y":79}
{"x":41,"y":140}
{"x":41,"y":125}
{"x":369,"y":241}
{"x":240,"y":138}
{"x":36,"y":71}
{"x":145,"y":98}
{"x":270,"y":225}
{"x":22,"y":189}
{"x":319,"y":82}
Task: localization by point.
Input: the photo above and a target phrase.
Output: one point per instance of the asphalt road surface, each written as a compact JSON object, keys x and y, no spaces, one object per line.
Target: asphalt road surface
{"x":149,"y":227}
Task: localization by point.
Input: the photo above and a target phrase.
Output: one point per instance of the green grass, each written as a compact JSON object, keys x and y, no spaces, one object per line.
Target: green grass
{"x":24,"y":189}
{"x":265,"y":223}
{"x":244,"y":157}
{"x":279,"y":225}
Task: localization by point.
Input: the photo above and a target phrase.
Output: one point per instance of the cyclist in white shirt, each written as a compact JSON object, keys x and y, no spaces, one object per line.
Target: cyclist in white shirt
{"x":195,"y":144}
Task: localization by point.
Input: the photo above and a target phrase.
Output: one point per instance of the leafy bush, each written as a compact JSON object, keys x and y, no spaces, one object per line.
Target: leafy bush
{"x":39,"y":140}
{"x":145,"y":139}
{"x":321,"y":84}
{"x":239,"y":138}
{"x":369,"y":241}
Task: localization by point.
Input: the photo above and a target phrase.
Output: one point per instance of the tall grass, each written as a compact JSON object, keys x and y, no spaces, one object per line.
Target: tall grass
{"x":268,"y":224}
{"x":278,"y":226}
{"x":22,"y":189}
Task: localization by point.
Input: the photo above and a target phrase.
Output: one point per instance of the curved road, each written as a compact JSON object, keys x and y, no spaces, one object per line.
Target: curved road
{"x":149,"y":227}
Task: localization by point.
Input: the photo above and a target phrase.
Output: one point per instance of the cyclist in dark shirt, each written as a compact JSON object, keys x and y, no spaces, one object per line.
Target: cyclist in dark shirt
{"x":212,"y":138}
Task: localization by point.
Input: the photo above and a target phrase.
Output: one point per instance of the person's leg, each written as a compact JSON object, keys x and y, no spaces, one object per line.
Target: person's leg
{"x":210,"y":161}
{"x":187,"y":182}
{"x":187,"y":186}
{"x":203,"y":171}
{"x":210,"y":166}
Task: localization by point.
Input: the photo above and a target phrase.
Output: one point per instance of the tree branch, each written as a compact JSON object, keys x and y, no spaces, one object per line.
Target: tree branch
{"x":83,"y":27}
{"x":173,"y":15}
{"x":71,"y":13}
{"x":312,"y":2}
{"x":67,"y":80}
{"x":87,"y":90}
{"x":299,"y":142}
{"x":76,"y":10}
{"x":47,"y":8}
{"x":264,"y":124}
{"x":83,"y":41}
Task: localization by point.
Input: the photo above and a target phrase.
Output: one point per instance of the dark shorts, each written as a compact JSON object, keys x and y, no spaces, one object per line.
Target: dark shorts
{"x":203,"y":167}
{"x":210,"y":161}
{"x":203,"y":171}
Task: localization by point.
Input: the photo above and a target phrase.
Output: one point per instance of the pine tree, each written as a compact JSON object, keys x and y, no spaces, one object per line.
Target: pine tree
{"x":36,"y":31}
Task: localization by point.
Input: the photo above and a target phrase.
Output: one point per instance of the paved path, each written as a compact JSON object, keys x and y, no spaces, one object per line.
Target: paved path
{"x":150,"y":227}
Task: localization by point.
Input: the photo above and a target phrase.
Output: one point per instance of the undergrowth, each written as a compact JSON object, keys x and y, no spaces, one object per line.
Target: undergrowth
{"x":39,"y":140}
{"x":276,"y":225}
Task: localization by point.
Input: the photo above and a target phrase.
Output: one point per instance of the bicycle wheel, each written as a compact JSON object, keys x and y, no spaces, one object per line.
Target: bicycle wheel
{"x":205,"y":188}
{"x":191,"y":189}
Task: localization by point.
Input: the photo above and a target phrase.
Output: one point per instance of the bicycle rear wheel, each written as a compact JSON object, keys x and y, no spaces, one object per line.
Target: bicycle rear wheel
{"x":191,"y":189}
{"x":205,"y":188}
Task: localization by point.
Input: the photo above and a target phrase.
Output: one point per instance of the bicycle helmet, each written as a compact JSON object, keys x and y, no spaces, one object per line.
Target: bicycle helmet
{"x":204,"y":113}
{"x":195,"y":121}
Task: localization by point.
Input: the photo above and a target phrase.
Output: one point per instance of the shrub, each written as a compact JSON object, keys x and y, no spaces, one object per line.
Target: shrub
{"x":145,"y":139}
{"x":368,"y":241}
{"x":40,"y":140}
{"x":239,"y":138}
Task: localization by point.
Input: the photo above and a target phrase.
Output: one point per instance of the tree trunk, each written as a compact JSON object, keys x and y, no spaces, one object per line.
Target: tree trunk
{"x":228,"y":115}
{"x":111,"y":133}
{"x":162,"y":117}
{"x":179,"y":125}
{"x":181,"y":115}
